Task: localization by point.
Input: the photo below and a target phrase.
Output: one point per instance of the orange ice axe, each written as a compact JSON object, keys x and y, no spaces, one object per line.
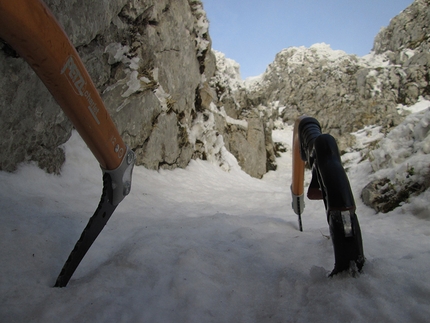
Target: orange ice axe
{"x":31,"y":29}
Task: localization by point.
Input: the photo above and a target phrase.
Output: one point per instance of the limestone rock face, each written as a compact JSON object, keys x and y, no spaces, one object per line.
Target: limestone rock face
{"x":401,"y":164}
{"x":344,"y":92}
{"x":150,"y":61}
{"x":174,"y":99}
{"x":249,"y":148}
{"x":32,"y":126}
{"x":155,"y":76}
{"x":247,"y":132}
{"x":406,"y":43}
{"x":407,"y":31}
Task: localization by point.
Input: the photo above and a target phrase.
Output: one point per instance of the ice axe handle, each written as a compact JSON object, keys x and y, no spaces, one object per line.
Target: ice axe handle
{"x":298,"y":174}
{"x":30,"y":28}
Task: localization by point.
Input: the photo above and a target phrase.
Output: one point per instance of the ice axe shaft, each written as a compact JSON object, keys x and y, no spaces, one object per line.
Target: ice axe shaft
{"x":31,"y":29}
{"x":298,"y":176}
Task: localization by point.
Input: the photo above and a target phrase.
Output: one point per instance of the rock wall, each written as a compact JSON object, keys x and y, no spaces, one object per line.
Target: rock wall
{"x":172,"y":100}
{"x":344,"y":92}
{"x":406,"y":42}
{"x":407,"y":31}
{"x":401,"y":164}
{"x":404,"y":151}
{"x":149,"y":59}
{"x":247,"y":130}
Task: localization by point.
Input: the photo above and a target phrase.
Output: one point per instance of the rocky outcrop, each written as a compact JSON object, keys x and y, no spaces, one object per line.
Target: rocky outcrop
{"x":31,"y":124}
{"x":247,"y":132}
{"x":156,"y":75}
{"x":345,"y":92}
{"x":173,"y":101}
{"x":401,"y":164}
{"x":406,"y":42}
{"x":150,"y":61}
{"x":407,"y":31}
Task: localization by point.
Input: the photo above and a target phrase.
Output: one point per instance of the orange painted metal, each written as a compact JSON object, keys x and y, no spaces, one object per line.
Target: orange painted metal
{"x":298,"y":176}
{"x":32,"y":30}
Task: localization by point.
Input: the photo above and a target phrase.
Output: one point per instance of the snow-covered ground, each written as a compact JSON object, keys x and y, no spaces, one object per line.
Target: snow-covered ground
{"x":203,"y":245}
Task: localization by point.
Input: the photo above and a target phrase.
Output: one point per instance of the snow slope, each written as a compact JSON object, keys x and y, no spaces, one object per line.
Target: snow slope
{"x":202,"y":245}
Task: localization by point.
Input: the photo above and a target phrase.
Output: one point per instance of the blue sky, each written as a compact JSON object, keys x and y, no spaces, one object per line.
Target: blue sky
{"x":252,"y":32}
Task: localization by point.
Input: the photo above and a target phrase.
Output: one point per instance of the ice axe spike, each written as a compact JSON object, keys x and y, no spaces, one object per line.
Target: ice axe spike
{"x":298,"y":205}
